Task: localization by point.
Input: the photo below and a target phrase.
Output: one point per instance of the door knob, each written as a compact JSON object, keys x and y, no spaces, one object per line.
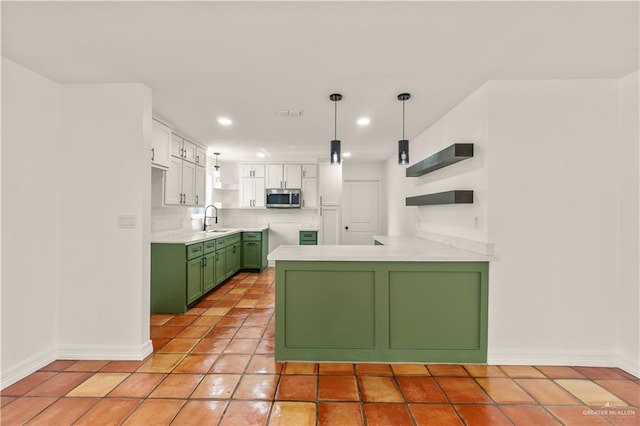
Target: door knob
{"x":346,"y":227}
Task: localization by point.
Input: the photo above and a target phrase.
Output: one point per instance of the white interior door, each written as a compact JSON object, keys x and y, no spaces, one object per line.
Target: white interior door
{"x":360,"y":212}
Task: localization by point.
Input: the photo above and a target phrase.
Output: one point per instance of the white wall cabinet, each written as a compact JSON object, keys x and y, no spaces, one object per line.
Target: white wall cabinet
{"x":309,"y":192}
{"x":284,"y":176}
{"x":252,"y":192}
{"x":309,"y":171}
{"x":330,"y":184}
{"x":200,"y":186}
{"x":160,"y":146}
{"x":251,"y":170}
{"x":329,"y":225}
{"x":184,"y":182}
{"x":201,"y":157}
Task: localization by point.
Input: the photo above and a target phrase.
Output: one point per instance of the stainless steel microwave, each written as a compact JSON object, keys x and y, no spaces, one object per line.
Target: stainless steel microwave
{"x":284,"y":198}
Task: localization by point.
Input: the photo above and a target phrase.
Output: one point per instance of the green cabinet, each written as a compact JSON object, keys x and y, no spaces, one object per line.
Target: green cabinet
{"x":251,"y":255}
{"x":194,"y":280}
{"x":220,"y":268}
{"x":255,"y":247}
{"x":209,"y":272}
{"x":232,"y":255}
{"x":308,"y":238}
{"x":387,"y":311}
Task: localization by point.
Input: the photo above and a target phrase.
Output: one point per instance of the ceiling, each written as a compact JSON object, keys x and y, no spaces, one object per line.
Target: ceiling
{"x":248,"y":60}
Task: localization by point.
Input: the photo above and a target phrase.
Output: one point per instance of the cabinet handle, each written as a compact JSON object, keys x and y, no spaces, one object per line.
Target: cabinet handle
{"x":320,"y":211}
{"x":153,"y":154}
{"x":303,"y":202}
{"x":321,"y":199}
{"x":304,"y":173}
{"x":196,"y":200}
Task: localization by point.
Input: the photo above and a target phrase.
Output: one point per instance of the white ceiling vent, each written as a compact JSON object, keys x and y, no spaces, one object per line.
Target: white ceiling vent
{"x":289,"y":113}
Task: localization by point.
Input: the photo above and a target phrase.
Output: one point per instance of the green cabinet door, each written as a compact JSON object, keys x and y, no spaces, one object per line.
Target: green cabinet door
{"x":194,"y":279}
{"x":232,"y":259}
{"x":251,"y":255}
{"x":209,"y":272}
{"x":237,"y":257}
{"x":221,"y":267}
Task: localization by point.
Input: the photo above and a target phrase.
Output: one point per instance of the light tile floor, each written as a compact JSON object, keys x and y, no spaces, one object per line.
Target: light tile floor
{"x":214,"y":365}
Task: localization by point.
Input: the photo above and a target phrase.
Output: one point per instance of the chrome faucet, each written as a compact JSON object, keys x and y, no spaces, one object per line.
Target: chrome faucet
{"x":204,"y":222}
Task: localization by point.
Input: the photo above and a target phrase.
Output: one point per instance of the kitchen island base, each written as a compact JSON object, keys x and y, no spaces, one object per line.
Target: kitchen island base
{"x":381,"y":311}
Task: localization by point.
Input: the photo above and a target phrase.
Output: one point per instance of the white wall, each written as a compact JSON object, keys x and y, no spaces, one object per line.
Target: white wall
{"x":30,"y":159}
{"x":552,"y":201}
{"x":628,"y":255}
{"x":104,"y":173}
{"x":549,"y":179}
{"x":74,"y":285}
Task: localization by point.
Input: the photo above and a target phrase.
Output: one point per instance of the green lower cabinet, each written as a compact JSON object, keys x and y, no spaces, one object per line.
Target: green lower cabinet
{"x":209,"y":272}
{"x":194,"y":279}
{"x":251,"y":255}
{"x":308,"y":238}
{"x":233,"y":259}
{"x":221,"y":266}
{"x":381,"y":311}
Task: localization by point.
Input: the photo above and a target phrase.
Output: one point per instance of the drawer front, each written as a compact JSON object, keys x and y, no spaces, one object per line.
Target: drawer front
{"x":209,"y":246}
{"x":252,"y":236}
{"x":233,"y":239}
{"x":221,"y":242}
{"x":308,"y":243}
{"x":308,"y":235}
{"x":194,"y":250}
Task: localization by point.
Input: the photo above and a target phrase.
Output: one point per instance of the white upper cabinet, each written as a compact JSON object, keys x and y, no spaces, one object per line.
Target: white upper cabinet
{"x":309,"y":171}
{"x":330,"y":184}
{"x":309,"y":192}
{"x":189,"y":183}
{"x":201,"y":180}
{"x":251,"y":170}
{"x":188,"y":151}
{"x":201,"y":157}
{"x":176,"y":145}
{"x":160,"y":146}
{"x":252,"y":192}
{"x":173,"y":183}
{"x":284,"y":176}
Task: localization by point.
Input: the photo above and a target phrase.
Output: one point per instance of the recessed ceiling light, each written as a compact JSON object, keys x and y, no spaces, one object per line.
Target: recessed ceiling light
{"x":261,"y":154}
{"x":363,"y":121}
{"x":346,"y":154}
{"x":225,"y":121}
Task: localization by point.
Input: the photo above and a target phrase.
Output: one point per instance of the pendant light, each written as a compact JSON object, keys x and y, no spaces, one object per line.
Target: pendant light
{"x":216,"y":168}
{"x":403,"y":145}
{"x":335,"y":143}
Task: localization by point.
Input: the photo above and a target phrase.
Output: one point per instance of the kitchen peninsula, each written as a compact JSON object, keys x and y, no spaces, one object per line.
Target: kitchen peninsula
{"x":401,"y":300}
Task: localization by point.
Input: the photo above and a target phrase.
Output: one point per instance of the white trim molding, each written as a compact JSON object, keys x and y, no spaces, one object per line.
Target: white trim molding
{"x":105,"y":352}
{"x":26,"y":367}
{"x":574,"y":358}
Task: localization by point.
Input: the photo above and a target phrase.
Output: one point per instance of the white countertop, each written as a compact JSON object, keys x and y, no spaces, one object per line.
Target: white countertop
{"x":395,"y":249}
{"x":309,"y":228}
{"x":190,"y":237}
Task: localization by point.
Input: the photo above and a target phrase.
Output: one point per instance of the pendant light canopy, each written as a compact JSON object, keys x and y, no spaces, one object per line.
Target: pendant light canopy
{"x":335,"y":143}
{"x":403,"y":145}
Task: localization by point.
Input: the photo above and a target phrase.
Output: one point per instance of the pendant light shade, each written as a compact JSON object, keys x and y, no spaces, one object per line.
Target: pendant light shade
{"x":335,"y":143}
{"x":403,"y":144}
{"x":216,"y":168}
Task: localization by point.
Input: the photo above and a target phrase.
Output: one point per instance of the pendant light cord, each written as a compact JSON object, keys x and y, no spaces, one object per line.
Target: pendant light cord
{"x":335,"y":120}
{"x":403,"y":120}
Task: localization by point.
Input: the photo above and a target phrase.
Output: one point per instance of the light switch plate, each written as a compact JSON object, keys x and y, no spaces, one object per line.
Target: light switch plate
{"x":126,"y":221}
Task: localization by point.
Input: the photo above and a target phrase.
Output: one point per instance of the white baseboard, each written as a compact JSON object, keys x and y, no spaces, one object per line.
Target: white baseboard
{"x":580,"y":358}
{"x":631,"y":366}
{"x":105,"y":352}
{"x":26,"y":367}
{"x":74,"y":352}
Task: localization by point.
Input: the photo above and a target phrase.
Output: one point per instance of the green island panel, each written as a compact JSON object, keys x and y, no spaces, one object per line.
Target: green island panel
{"x":434,"y":310}
{"x":329,"y":309}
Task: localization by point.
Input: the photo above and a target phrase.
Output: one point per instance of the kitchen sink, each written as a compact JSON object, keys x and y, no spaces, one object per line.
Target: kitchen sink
{"x":218,"y":230}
